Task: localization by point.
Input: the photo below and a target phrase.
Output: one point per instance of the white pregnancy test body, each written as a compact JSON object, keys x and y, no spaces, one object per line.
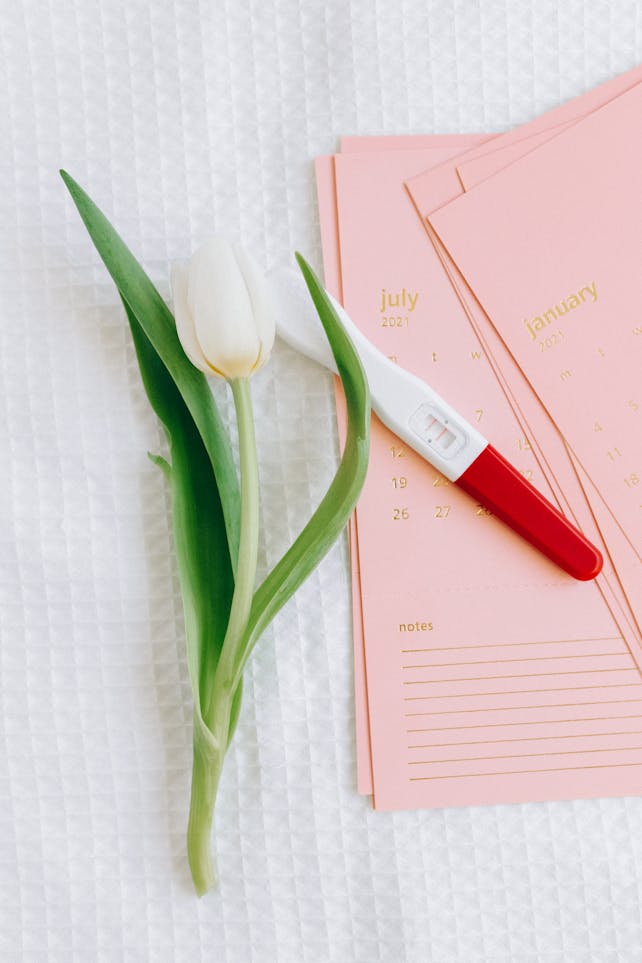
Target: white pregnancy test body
{"x":403,"y":402}
{"x":427,"y":423}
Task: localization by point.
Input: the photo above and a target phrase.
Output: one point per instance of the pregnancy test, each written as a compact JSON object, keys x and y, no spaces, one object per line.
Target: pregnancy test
{"x":419,"y":416}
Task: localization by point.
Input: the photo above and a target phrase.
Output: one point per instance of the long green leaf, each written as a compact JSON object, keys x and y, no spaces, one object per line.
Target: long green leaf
{"x":205,"y":573}
{"x":336,"y":507}
{"x":202,"y":475}
{"x":200,"y":539}
{"x":156,"y":321}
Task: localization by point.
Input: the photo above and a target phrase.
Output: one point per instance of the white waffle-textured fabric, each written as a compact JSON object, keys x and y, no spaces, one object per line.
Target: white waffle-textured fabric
{"x":182,"y":118}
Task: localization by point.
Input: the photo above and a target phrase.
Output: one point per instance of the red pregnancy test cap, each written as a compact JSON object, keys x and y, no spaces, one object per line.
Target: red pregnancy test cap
{"x":494,"y":482}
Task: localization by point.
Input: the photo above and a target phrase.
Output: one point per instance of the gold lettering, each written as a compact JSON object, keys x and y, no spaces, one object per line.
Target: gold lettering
{"x":403,"y":298}
{"x":587,"y":294}
{"x":590,"y":289}
{"x":400,"y":514}
{"x":442,"y":511}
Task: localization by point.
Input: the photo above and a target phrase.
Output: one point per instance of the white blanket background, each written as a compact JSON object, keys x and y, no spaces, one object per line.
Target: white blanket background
{"x":182,"y":118}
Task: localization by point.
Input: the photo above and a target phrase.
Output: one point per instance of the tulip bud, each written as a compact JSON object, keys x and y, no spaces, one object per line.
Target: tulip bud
{"x":225,"y":319}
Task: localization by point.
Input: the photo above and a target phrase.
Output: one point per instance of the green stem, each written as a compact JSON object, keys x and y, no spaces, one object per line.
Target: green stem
{"x":206,"y":772}
{"x":224,"y":679}
{"x":212,"y":732}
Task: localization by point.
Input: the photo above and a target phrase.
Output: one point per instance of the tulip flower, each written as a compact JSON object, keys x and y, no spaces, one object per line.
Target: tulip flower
{"x":224,"y":314}
{"x":226,"y":324}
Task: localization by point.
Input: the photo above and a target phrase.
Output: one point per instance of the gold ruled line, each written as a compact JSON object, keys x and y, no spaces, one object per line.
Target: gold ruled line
{"x":542,"y":658}
{"x":516,"y":692}
{"x":531,"y":722}
{"x":501,"y":645}
{"x":525,"y":675}
{"x":527,"y":772}
{"x":524,"y":755}
{"x":551,"y":705}
{"x":492,"y":742}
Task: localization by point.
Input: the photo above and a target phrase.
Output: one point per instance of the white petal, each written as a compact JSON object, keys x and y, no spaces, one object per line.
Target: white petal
{"x":184,"y":321}
{"x":220,"y":304}
{"x":263,"y":305}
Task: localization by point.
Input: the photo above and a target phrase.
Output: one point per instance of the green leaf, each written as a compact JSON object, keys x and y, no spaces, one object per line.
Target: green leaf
{"x":338,"y":503}
{"x":200,"y":539}
{"x":156,"y":321}
{"x":207,"y":584}
{"x":161,"y":463}
{"x":202,"y":474}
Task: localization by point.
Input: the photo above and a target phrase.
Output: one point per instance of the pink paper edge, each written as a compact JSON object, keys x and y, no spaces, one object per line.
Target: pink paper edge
{"x":326,"y":196}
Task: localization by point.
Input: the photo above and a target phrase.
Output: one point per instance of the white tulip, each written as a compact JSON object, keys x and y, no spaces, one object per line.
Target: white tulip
{"x":225,"y":319}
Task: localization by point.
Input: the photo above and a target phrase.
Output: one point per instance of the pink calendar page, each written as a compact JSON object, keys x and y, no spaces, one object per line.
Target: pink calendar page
{"x":585,"y":373}
{"x":575,"y":492}
{"x":503,"y":648}
{"x":431,"y":190}
{"x":485,"y":159}
{"x":576,"y":495}
{"x":326,"y":193}
{"x":610,"y":582}
{"x":447,"y":181}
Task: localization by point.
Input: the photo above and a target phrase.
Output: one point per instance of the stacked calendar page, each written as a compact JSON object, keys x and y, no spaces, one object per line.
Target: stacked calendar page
{"x":504,"y":271}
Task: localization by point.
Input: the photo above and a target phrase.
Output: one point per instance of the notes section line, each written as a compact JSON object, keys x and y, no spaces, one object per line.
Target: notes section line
{"x":528,"y":675}
{"x":491,"y":742}
{"x":531,"y":722}
{"x":524,"y":755}
{"x":471,"y":695}
{"x":529,"y":772}
{"x":499,"y":645}
{"x":547,"y":658}
{"x":555,"y":705}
